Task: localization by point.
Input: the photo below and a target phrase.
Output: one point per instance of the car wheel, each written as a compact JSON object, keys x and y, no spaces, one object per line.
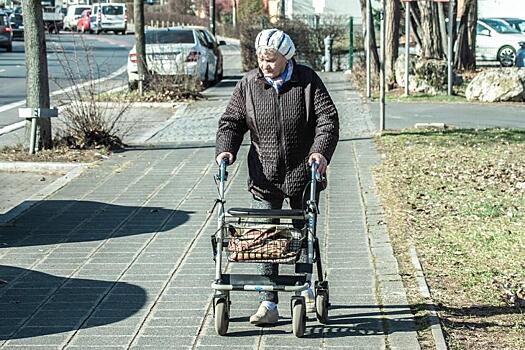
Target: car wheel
{"x":507,"y":56}
{"x":133,"y":85}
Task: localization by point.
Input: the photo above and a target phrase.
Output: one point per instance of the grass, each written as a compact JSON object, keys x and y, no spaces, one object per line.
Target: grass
{"x":458,"y":196}
{"x":397,"y":95}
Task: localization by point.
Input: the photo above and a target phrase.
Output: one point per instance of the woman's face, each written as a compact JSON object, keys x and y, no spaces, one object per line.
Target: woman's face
{"x":271,"y":64}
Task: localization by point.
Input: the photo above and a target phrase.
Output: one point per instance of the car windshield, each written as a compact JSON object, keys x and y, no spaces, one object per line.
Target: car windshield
{"x":170,"y":37}
{"x":112,"y":10}
{"x":79,"y":10}
{"x":520,"y":25}
{"x":500,"y":27}
{"x":2,"y":21}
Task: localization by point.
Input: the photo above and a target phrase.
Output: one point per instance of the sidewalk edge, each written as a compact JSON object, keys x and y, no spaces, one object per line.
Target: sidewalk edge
{"x":24,"y":205}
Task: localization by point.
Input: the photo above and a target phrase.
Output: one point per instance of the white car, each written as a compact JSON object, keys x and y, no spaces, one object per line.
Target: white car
{"x":110,"y":17}
{"x":497,"y":41}
{"x":74,"y":12}
{"x":176,"y":51}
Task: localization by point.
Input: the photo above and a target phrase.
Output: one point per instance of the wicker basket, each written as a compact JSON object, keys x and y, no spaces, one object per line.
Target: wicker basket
{"x":277,"y":244}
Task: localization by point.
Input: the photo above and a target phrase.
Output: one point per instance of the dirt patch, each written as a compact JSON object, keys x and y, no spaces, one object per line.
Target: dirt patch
{"x":458,"y":196}
{"x":58,"y":154}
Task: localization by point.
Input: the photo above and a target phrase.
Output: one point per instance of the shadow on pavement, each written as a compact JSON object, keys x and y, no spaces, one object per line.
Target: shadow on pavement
{"x":37,"y":303}
{"x":68,"y":221}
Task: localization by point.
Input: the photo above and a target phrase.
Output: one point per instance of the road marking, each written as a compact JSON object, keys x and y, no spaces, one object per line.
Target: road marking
{"x":19,"y":125}
{"x":12,"y":127}
{"x":2,"y":70}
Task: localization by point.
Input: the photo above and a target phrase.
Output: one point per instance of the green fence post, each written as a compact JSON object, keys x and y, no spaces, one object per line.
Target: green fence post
{"x":350,"y":42}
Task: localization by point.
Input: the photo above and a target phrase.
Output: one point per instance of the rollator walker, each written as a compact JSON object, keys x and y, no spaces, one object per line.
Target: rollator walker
{"x":243,"y":239}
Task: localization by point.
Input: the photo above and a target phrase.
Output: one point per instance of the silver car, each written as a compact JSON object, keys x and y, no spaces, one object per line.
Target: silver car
{"x":497,"y":41}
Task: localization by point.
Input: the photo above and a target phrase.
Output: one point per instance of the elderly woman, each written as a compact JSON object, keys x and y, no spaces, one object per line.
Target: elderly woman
{"x":292,"y":122}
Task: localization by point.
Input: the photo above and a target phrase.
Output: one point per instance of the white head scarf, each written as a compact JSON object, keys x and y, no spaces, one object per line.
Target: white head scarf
{"x":276,"y":39}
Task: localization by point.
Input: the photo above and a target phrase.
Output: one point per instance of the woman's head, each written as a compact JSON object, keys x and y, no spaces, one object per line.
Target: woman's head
{"x":274,"y":48}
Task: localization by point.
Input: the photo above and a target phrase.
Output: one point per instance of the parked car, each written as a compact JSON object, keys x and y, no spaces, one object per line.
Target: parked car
{"x":17,"y":23}
{"x":74,"y":12}
{"x":84,"y":22}
{"x":516,"y":23}
{"x":110,"y":17}
{"x":6,"y":34}
{"x":497,"y":41}
{"x":179,"y":51}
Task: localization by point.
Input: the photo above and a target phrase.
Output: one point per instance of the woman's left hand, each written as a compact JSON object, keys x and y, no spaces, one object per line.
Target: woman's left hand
{"x":321,"y":161}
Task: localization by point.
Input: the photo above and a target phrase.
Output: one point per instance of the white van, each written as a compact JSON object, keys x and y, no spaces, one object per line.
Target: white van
{"x":110,"y":17}
{"x":74,"y":12}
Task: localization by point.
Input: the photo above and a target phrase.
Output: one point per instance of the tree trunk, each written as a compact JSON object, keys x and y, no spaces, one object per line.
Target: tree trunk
{"x":425,"y":20}
{"x":442,"y":26}
{"x":466,"y":46}
{"x":37,"y":80}
{"x":373,"y":44}
{"x":430,"y":32}
{"x":393,"y":11}
{"x":140,"y":40}
{"x":416,"y":25}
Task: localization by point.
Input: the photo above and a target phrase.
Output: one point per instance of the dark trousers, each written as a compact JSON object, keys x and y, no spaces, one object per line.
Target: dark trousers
{"x":269,"y":269}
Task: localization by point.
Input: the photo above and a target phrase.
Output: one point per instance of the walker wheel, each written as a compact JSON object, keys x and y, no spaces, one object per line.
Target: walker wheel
{"x":298,"y":317}
{"x":321,"y":307}
{"x":222,"y":317}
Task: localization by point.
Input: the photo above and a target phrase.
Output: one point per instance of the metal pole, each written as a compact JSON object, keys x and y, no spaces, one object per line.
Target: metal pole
{"x":450,"y":50}
{"x":350,"y":42}
{"x":212,"y":16}
{"x":32,"y":139}
{"x":234,"y":13}
{"x":282,"y":9}
{"x":407,"y":48}
{"x":382,"y":68}
{"x":368,"y":61}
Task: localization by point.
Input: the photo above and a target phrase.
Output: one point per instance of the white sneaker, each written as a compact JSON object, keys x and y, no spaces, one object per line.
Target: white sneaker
{"x":309,"y":300}
{"x":264,"y":316}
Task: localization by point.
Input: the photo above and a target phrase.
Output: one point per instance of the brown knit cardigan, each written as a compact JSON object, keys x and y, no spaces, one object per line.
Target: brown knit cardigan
{"x":285,"y":129}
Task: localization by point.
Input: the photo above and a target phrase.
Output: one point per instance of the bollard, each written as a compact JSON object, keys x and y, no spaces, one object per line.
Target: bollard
{"x":328,"y":41}
{"x":350,"y":42}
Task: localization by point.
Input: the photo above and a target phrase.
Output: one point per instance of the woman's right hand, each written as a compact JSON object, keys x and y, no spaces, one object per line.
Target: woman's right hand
{"x":225,"y":155}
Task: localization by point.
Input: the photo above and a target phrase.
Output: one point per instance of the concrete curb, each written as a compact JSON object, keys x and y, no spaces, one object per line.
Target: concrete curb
{"x":40,"y":167}
{"x":131,"y":104}
{"x":41,"y":195}
{"x":435,"y":325}
{"x":390,"y":290}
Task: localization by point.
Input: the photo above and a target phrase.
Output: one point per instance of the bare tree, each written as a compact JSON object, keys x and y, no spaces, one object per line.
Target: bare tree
{"x":392,"y":39}
{"x":140,"y":46}
{"x":373,"y":44}
{"x":466,"y":45}
{"x":426,"y":21}
{"x":37,"y":83}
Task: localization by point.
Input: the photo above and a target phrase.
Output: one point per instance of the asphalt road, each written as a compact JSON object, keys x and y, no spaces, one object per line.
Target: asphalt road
{"x":72,"y":59}
{"x":399,"y":115}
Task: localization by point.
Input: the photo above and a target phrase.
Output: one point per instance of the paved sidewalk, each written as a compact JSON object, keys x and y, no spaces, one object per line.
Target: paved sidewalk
{"x":120,"y":257}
